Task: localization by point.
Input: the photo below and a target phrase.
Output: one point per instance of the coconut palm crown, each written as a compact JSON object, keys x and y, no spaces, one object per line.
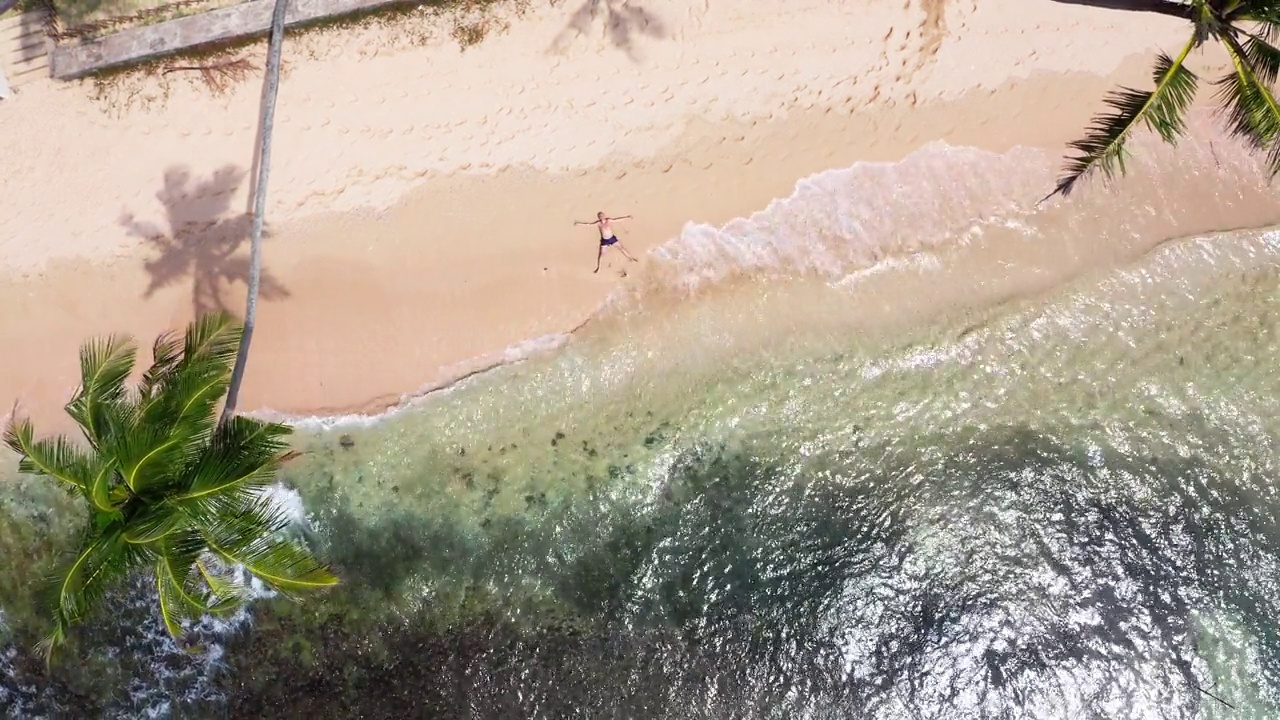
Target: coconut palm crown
{"x":1247,"y":29}
{"x":167,"y":487}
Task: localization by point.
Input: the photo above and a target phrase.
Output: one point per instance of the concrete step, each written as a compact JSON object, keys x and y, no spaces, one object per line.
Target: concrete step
{"x":24,"y":48}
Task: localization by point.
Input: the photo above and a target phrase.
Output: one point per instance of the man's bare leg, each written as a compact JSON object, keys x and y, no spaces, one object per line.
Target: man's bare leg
{"x":624,"y":251}
{"x":599,"y":254}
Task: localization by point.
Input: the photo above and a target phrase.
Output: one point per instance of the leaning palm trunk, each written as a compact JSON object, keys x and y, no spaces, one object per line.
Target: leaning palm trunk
{"x":270,"y":87}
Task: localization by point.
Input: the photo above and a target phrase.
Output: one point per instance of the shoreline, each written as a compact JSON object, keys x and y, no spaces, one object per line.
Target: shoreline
{"x":388,"y":285}
{"x":376,"y":411}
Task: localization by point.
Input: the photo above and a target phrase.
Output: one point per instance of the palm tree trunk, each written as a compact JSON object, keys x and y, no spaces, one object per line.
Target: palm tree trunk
{"x":1162,"y":7}
{"x":270,"y":87}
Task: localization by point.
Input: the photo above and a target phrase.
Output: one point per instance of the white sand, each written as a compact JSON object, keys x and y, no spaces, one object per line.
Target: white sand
{"x":422,"y":197}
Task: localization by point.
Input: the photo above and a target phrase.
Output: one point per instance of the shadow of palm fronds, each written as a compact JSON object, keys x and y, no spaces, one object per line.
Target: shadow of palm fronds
{"x":623,"y":21}
{"x":201,"y":241}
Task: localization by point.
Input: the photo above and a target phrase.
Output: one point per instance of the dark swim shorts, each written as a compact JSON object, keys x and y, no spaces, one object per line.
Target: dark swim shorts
{"x":609,"y":241}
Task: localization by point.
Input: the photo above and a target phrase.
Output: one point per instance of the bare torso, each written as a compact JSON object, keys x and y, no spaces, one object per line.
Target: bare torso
{"x":606,"y":229}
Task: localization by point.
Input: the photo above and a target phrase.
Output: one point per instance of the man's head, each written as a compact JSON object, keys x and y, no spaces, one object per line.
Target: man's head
{"x":599,"y":216}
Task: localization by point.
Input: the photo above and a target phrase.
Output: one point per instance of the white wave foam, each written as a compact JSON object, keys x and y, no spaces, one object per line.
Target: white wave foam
{"x":920,"y":262}
{"x":856,"y":217}
{"x":289,"y":500}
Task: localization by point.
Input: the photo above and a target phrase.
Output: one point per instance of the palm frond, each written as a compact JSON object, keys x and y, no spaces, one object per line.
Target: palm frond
{"x":1263,"y":57}
{"x":186,"y":395}
{"x":1252,"y":110}
{"x":55,"y":457}
{"x":149,"y":456}
{"x":225,"y":594}
{"x":1162,"y":109}
{"x":1263,"y":12}
{"x":104,"y":493}
{"x":51,"y":642}
{"x":171,"y":611}
{"x":184,"y":409}
{"x":285,"y":565}
{"x":243,"y":453}
{"x":214,"y":336}
{"x":105,"y":364}
{"x":79,"y":585}
{"x":250,"y":533}
{"x":154,"y":523}
{"x":188,"y":388}
{"x":165,"y":354}
{"x":198,"y":387}
{"x":175,"y":570}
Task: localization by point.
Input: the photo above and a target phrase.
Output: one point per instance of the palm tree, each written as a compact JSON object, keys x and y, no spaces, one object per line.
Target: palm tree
{"x":1248,"y":29}
{"x":167,"y":487}
{"x":271,"y":86}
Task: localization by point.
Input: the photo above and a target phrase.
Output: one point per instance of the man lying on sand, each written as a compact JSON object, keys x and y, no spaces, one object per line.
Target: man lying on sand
{"x":607,"y":237}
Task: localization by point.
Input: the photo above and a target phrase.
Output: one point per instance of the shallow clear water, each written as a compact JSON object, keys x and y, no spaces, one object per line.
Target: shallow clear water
{"x":1008,"y":522}
{"x":921,"y":492}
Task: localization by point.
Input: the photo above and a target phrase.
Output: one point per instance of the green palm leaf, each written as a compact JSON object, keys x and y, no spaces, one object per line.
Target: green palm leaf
{"x":184,"y":391}
{"x":201,"y":388}
{"x":148,"y":455}
{"x":1252,"y":111}
{"x":249,"y":532}
{"x":105,"y":365}
{"x":92,"y":560}
{"x":155,"y":523}
{"x":165,"y":354}
{"x":79,"y":585}
{"x":224,"y":595}
{"x":1162,"y":109}
{"x":55,"y":457}
{"x":1264,"y":12}
{"x":1263,"y":57}
{"x":285,"y":565}
{"x":105,"y":494}
{"x":215,"y":336}
{"x":175,"y":572}
{"x":243,"y":454}
{"x":188,"y":388}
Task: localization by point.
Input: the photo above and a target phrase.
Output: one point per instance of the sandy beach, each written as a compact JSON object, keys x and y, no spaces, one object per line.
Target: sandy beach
{"x":422,"y":197}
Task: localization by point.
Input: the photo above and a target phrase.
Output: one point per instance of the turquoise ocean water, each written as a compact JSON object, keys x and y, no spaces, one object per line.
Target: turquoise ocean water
{"x":903,"y":445}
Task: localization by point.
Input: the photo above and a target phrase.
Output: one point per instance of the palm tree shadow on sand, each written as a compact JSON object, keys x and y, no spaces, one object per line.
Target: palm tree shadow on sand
{"x":623,"y":22}
{"x":202,"y":240}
